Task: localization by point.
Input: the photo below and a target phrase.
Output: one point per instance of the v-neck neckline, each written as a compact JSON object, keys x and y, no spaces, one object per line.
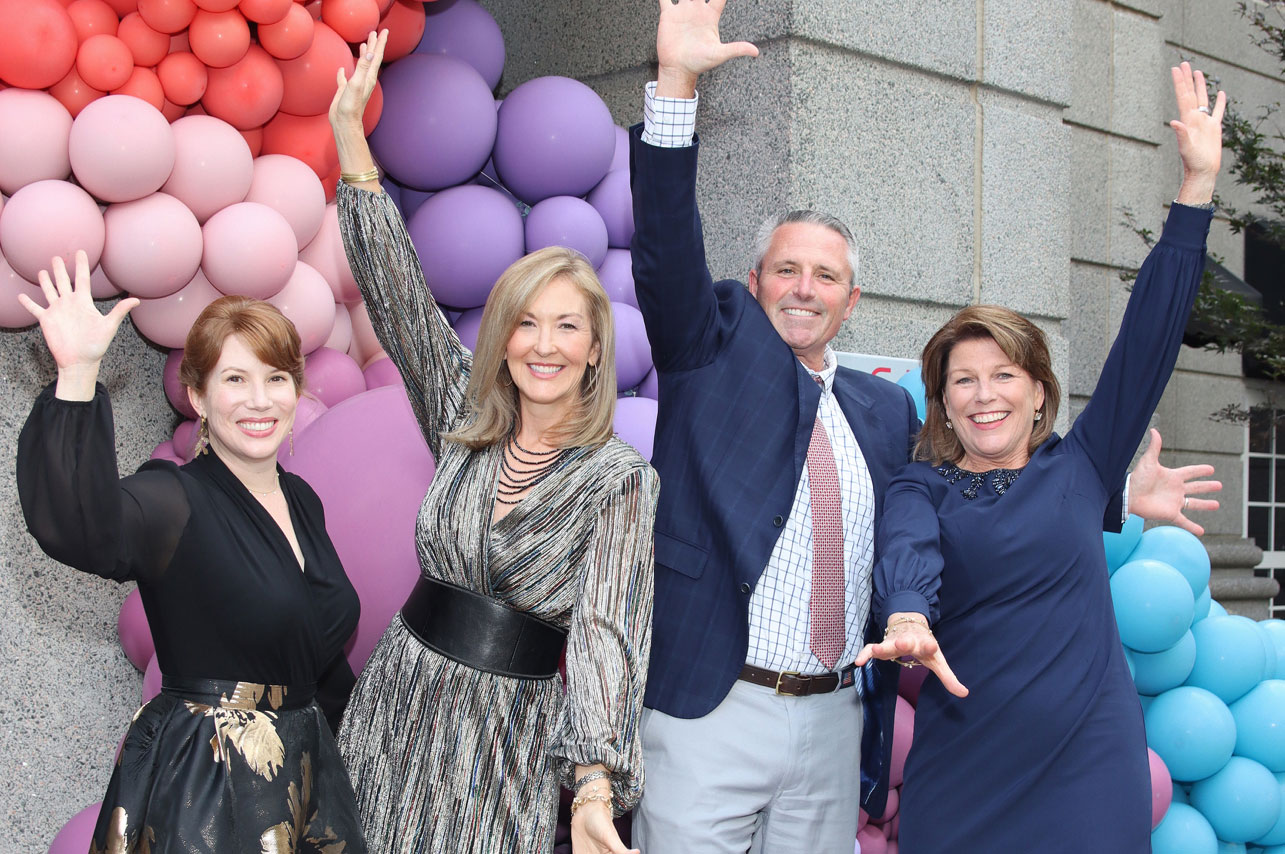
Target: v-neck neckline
{"x":224,"y":476}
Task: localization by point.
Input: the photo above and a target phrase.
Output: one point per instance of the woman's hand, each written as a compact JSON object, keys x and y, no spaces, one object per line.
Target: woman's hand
{"x":1166,"y":495}
{"x":1199,"y":130}
{"x":908,"y":637}
{"x":593,"y":831}
{"x":76,"y":333}
{"x":349,"y":104}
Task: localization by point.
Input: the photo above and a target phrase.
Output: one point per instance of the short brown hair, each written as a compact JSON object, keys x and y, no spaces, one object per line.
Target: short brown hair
{"x":1021,"y":341}
{"x":265,"y":330}
{"x":492,"y":395}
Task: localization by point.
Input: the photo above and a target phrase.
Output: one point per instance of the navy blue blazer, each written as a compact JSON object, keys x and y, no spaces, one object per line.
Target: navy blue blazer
{"x":736,"y":416}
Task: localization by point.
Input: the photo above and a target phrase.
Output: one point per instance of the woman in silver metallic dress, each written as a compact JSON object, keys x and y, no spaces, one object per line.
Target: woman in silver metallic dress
{"x":537,"y":529}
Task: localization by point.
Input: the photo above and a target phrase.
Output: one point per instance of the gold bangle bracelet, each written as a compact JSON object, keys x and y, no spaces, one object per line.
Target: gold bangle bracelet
{"x":359,"y":177}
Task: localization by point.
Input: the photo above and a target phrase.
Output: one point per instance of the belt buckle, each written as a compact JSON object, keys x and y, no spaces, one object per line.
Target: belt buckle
{"x":784,"y":673}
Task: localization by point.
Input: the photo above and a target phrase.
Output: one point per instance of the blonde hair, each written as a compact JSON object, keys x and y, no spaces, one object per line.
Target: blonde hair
{"x":1021,"y":341}
{"x":492,"y":396}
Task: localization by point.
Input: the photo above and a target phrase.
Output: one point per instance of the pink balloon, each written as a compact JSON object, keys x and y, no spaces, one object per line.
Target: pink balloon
{"x":151,"y":680}
{"x":305,"y":414}
{"x":911,"y":681}
{"x":382,"y":372}
{"x":325,"y":254}
{"x":185,"y":435}
{"x":306,"y":300}
{"x":614,"y":201}
{"x":862,"y":819}
{"x":135,"y":635}
{"x":100,"y":286}
{"x":616,"y":272}
{"x":289,"y":187}
{"x":650,"y":386}
{"x":893,"y":847}
{"x":369,"y":445}
{"x":165,"y":451}
{"x":175,"y":391}
{"x":1161,"y":787}
{"x":467,"y":326}
{"x":870,"y":840}
{"x":341,"y":333}
{"x":153,"y":245}
{"x":213,"y":167}
{"x":121,"y":148}
{"x":77,"y":834}
{"x":365,"y":345}
{"x":903,"y":731}
{"x":892,"y":806}
{"x":635,"y":423}
{"x":12,"y":314}
{"x":633,"y":350}
{"x":332,"y":377}
{"x":50,"y":218}
{"x":34,"y":130}
{"x":249,"y":249}
{"x":166,"y":321}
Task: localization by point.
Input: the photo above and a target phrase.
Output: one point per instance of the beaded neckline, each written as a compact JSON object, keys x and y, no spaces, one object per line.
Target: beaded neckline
{"x":1000,"y":479}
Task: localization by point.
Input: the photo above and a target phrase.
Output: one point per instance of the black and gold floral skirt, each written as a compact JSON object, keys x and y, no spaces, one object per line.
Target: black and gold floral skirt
{"x":220,"y":767}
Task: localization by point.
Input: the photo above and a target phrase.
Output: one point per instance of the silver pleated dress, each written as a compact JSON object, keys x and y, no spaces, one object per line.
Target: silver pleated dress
{"x":445,"y":758}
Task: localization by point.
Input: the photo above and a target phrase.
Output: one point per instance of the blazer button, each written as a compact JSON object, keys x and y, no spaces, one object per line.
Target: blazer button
{"x":745,"y":587}
{"x":778,"y":521}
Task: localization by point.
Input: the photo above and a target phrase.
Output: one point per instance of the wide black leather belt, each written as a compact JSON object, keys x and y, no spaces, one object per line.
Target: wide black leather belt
{"x":481,"y":632}
{"x":800,"y":684}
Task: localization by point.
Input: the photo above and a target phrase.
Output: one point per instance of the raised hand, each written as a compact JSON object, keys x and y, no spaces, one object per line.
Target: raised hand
{"x":688,"y":45}
{"x":351,"y":96}
{"x":909,"y":638}
{"x":1165,"y":495}
{"x":1199,"y":130}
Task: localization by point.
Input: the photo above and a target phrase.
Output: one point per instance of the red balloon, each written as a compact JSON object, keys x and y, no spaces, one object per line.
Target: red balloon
{"x":310,"y":79}
{"x":104,"y":62}
{"x":253,"y":138}
{"x":405,"y":21}
{"x":265,"y":11}
{"x":245,"y":95}
{"x":143,"y":83}
{"x":307,"y":138}
{"x":37,"y":43}
{"x":352,"y":19}
{"x":374,"y":109}
{"x":149,"y":46}
{"x":219,"y":39}
{"x":383,"y":6}
{"x":123,"y":7}
{"x":91,"y":17}
{"x":74,"y":93}
{"x":167,"y":16}
{"x":217,"y":5}
{"x":171,"y":111}
{"x":289,"y":37}
{"x":183,"y":78}
{"x":179,"y":41}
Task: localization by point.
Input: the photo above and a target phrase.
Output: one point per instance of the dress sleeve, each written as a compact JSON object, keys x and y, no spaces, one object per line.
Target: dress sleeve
{"x":76,"y":506}
{"x":410,"y":326}
{"x":1138,"y":366}
{"x":609,"y":643}
{"x":907,"y":574}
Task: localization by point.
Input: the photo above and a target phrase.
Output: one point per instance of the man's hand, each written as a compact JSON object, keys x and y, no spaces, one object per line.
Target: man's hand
{"x":688,"y":44}
{"x":1164,"y":495}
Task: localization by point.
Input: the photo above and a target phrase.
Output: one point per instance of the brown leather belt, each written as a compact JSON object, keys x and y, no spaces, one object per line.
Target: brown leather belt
{"x":795,"y":684}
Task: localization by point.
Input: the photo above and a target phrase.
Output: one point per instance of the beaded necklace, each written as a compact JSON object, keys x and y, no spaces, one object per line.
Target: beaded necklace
{"x":514,"y":480}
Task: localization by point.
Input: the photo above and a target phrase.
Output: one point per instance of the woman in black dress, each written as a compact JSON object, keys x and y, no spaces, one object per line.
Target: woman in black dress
{"x":246,"y":598}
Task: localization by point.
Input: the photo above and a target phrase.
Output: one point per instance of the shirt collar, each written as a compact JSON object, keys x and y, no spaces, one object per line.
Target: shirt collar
{"x":827,"y":372}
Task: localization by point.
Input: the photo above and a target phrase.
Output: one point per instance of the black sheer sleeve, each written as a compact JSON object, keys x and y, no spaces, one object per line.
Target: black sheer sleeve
{"x":333,"y":689}
{"x":77,"y":507}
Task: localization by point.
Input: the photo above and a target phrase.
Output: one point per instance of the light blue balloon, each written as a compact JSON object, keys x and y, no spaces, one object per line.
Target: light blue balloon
{"x":1180,"y":549}
{"x":1229,"y":657}
{"x":1271,"y":658}
{"x":1225,"y":847}
{"x":1275,"y":629}
{"x":1118,"y":546}
{"x":1183,"y":830}
{"x":1192,"y":731}
{"x":1216,"y":609}
{"x":1242,"y":801}
{"x":1203,"y":602}
{"x":1157,"y":672}
{"x":1276,"y":836}
{"x":913,"y":382}
{"x":1153,"y":605}
{"x":1180,"y":795}
{"x":1145,"y":701}
{"x":1260,"y":725}
{"x":1274,"y":849}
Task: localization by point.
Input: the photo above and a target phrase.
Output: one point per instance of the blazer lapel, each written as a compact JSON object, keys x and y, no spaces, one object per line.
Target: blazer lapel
{"x":858,"y":408}
{"x":809,"y":395}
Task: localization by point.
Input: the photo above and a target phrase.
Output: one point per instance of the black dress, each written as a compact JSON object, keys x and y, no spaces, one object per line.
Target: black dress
{"x":235,"y":754}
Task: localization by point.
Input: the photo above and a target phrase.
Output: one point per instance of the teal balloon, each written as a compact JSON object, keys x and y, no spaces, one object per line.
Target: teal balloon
{"x":1276,"y":836}
{"x":1145,"y":701}
{"x":1216,"y":609}
{"x":1229,"y":656}
{"x":1225,"y":847}
{"x":1271,"y":657}
{"x":1180,"y":795}
{"x":1260,"y":725}
{"x":1275,"y":629}
{"x":1203,"y":602}
{"x":1242,"y":801}
{"x":1157,"y":672}
{"x":1183,"y":830}
{"x":913,"y":382}
{"x":1153,"y":604}
{"x":1192,"y":731}
{"x":1180,"y":549}
{"x":1118,"y":546}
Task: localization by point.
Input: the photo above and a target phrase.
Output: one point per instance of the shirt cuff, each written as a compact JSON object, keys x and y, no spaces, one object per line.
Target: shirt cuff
{"x":1124,"y":510}
{"x":668,"y":122}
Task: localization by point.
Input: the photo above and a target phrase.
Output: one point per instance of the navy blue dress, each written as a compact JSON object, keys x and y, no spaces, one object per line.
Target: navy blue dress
{"x":1047,"y":753}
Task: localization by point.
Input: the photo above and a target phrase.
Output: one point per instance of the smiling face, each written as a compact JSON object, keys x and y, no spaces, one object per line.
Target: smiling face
{"x":550,"y":348}
{"x":805,"y":286}
{"x":991,"y":403}
{"x":249,"y":407}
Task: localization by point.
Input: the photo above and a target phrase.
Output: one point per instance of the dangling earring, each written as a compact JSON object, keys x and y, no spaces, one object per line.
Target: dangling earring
{"x":592,"y":381}
{"x":202,"y":439}
{"x":949,"y":426}
{"x":1038,"y":415}
{"x":291,"y":434}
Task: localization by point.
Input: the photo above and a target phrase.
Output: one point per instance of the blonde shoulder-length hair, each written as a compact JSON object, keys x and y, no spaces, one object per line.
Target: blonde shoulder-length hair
{"x":1021,"y":341}
{"x":492,"y":397}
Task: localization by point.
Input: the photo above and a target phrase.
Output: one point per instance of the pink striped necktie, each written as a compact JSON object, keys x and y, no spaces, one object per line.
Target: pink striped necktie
{"x":827,"y":630}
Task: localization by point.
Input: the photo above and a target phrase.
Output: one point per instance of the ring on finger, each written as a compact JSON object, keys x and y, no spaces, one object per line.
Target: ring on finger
{"x":1204,"y":109}
{"x":1185,"y":502}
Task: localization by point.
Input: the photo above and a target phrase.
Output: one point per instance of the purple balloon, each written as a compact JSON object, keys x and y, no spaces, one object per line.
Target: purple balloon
{"x":165,"y":451}
{"x":616,"y":272}
{"x":467,"y":326}
{"x":438,"y":123}
{"x":555,"y":138}
{"x":620,"y":158}
{"x":309,"y":410}
{"x":370,"y":445}
{"x":382,"y":372}
{"x":650,"y":386}
{"x":570,"y":222}
{"x":175,"y":391}
{"x":466,"y":31}
{"x":409,"y":199}
{"x":633,"y":350}
{"x":466,"y":237}
{"x":331,"y":376}
{"x":152,"y":679}
{"x":615,"y":204}
{"x":635,"y":423}
{"x":134,"y":633}
{"x":77,"y":834}
{"x":185,"y":439}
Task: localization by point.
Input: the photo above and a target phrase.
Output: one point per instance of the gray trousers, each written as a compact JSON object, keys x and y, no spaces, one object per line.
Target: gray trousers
{"x":762,"y":773}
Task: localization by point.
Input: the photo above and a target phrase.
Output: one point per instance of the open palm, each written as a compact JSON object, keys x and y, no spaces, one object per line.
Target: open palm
{"x":76,"y":332}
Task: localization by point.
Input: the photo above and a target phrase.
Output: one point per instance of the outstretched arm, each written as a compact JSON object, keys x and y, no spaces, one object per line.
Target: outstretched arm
{"x":688,"y":45}
{"x":1198,"y":129}
{"x":1162,"y":494}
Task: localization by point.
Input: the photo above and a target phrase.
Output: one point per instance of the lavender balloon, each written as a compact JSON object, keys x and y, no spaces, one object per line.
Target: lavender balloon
{"x":467,"y":326}
{"x":382,"y":372}
{"x":438,"y":123}
{"x":466,"y":237}
{"x":615,"y":203}
{"x":616,"y":272}
{"x":570,"y":222}
{"x":620,"y":158}
{"x":466,"y":31}
{"x":635,"y":423}
{"x":650,"y":388}
{"x":633,"y":350}
{"x":555,"y":138}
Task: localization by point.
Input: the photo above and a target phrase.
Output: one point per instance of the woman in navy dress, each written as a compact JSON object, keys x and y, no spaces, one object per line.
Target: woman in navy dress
{"x":994,"y":540}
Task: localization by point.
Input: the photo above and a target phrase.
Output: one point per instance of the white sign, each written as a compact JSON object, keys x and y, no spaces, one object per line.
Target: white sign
{"x":888,"y":367}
